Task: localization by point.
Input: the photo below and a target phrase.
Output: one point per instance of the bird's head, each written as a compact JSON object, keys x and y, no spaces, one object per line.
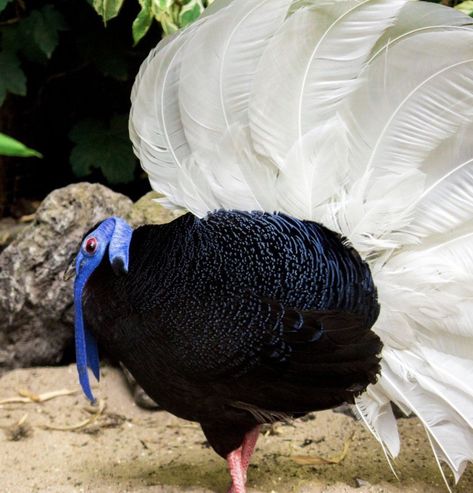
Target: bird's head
{"x":111,"y":236}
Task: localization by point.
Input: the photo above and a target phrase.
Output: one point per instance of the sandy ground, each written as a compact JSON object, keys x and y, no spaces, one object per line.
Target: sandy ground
{"x":128,"y":449}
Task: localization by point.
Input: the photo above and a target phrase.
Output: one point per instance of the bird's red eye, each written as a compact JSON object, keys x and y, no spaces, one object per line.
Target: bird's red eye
{"x":90,"y":245}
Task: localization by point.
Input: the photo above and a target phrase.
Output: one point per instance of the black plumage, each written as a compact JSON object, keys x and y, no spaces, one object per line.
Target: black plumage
{"x":239,"y":318}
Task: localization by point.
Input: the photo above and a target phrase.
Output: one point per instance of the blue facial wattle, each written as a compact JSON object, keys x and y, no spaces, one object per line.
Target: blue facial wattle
{"x":115,"y":234}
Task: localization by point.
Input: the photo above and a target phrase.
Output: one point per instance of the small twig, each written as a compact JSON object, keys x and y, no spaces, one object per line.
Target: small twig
{"x":315,"y":460}
{"x":10,"y":22}
{"x":60,"y":75}
{"x":27,"y":218}
{"x":189,"y":426}
{"x":27,"y":397}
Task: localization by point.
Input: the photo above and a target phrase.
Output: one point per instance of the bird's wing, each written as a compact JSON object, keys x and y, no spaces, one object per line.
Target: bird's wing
{"x":317,"y":359}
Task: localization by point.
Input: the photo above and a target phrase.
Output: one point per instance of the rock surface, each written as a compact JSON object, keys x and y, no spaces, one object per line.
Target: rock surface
{"x":9,"y":230}
{"x":148,"y":211}
{"x":36,"y":316}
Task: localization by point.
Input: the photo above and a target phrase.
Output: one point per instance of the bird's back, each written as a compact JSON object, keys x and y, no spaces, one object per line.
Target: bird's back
{"x":255,"y":309}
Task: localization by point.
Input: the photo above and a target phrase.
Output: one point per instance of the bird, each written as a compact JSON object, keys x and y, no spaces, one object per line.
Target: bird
{"x":322,"y":151}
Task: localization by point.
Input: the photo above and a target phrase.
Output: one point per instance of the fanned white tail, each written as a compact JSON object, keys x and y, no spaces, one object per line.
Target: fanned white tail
{"x":358,"y":115}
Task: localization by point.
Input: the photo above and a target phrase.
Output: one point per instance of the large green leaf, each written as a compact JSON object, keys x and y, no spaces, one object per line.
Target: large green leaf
{"x":3,"y":4}
{"x":107,"y":148}
{"x":107,"y":9}
{"x":12,"y":147}
{"x":35,"y":36}
{"x":12,"y":77}
{"x":42,"y":27}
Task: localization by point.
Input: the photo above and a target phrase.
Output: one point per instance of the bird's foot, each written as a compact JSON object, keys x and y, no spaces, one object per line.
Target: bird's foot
{"x":239,"y":460}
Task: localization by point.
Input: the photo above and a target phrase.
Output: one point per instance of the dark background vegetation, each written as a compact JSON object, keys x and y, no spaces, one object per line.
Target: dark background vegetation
{"x":65,"y":81}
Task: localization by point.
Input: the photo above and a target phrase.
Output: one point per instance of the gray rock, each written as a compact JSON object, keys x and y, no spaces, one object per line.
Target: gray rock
{"x":148,"y":211}
{"x":9,"y":230}
{"x":36,"y":303}
{"x":36,"y":316}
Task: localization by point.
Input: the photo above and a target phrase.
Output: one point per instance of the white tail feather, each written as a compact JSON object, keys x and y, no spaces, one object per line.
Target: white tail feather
{"x":319,"y":72}
{"x":366,"y":418}
{"x":219,"y":67}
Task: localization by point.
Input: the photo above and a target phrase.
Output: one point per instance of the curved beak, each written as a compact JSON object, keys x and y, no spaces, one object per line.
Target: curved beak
{"x":86,"y":345}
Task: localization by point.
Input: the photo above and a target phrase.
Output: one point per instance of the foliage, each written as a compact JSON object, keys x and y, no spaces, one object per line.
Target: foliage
{"x":74,"y":74}
{"x":3,"y":4}
{"x":74,"y":71}
{"x":108,"y":9}
{"x":466,"y":7}
{"x":12,"y":76}
{"x":35,"y":37}
{"x":171,"y":14}
{"x":103,"y":146}
{"x":12,"y":147}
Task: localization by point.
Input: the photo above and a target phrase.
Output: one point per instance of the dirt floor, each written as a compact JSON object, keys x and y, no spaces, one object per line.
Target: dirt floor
{"x":61,"y":445}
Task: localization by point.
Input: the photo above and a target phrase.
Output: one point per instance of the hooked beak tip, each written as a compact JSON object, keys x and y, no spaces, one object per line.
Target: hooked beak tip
{"x":69,"y":270}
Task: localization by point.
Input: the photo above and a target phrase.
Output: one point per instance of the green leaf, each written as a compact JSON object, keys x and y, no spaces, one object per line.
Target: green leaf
{"x":107,"y":9}
{"x":3,"y":4}
{"x":163,"y":4}
{"x":466,"y":7}
{"x":42,"y":27}
{"x":143,"y":21}
{"x":190,"y":12}
{"x":12,"y":147}
{"x":107,"y":148}
{"x":167,"y":20}
{"x":163,"y":13}
{"x":12,"y":77}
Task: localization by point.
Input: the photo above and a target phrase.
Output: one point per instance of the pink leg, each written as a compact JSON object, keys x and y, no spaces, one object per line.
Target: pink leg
{"x":236,"y":472}
{"x":248,"y":447}
{"x":242,"y":459}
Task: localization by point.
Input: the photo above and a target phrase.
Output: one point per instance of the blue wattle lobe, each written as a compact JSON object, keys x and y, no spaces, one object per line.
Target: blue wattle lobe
{"x":92,"y":353}
{"x":86,"y":346}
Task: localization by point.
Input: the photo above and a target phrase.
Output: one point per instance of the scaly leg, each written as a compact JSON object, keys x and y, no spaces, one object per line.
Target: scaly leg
{"x":236,"y":472}
{"x":248,"y":447}
{"x":241,"y":459}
